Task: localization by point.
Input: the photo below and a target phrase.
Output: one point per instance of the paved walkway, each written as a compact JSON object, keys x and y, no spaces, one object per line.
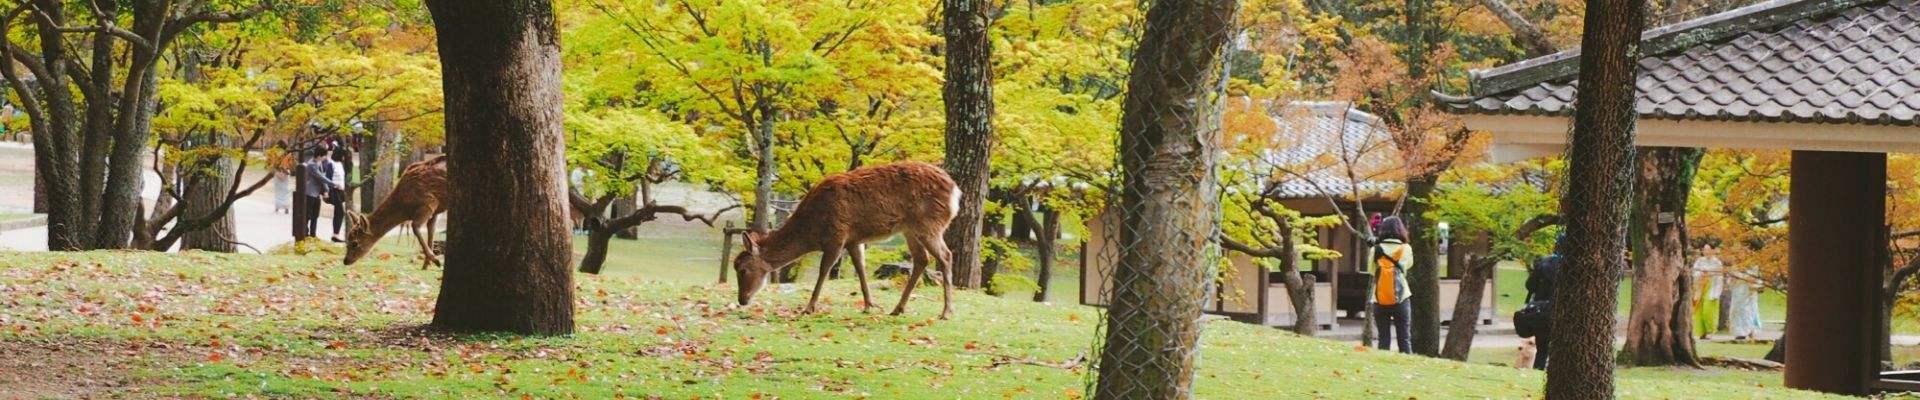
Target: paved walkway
{"x":255,"y":222}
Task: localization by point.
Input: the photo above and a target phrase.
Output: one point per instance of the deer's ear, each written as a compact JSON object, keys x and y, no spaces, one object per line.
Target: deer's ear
{"x":356,"y":219}
{"x":752,"y":241}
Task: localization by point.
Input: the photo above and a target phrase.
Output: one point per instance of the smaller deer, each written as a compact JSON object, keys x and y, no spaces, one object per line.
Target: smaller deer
{"x":417,"y":199}
{"x":846,"y":210}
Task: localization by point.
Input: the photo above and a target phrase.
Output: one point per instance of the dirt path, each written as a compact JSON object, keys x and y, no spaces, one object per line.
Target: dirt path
{"x":74,"y":370}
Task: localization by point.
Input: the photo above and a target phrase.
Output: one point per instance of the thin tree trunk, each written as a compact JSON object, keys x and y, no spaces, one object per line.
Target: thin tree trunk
{"x":377,"y":163}
{"x":624,"y":206}
{"x":1021,"y":228}
{"x":990,"y":265}
{"x":1049,"y":236}
{"x":509,"y":248}
{"x":968,"y":94}
{"x":1466,"y":307}
{"x":1525,"y":34}
{"x":1595,"y":205}
{"x":1299,"y":286}
{"x":1424,"y":279}
{"x":1167,"y":205}
{"x":764,"y":173}
{"x":1660,"y":326}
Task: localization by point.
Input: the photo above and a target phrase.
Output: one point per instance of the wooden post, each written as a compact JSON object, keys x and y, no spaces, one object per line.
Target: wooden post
{"x":726,"y":250}
{"x":1836,"y":255}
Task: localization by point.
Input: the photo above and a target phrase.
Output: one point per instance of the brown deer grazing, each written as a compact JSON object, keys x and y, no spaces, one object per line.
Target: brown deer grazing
{"x":846,"y":210}
{"x":417,"y":199}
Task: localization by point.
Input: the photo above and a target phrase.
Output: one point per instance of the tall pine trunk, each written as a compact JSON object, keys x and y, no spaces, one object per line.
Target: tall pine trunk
{"x":1167,"y":202}
{"x":509,"y":246}
{"x":1599,"y":187}
{"x":968,"y":93}
{"x":1424,"y":278}
{"x":1660,"y":326}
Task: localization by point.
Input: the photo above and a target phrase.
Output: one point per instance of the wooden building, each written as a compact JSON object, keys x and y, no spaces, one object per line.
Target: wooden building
{"x":1249,"y":292}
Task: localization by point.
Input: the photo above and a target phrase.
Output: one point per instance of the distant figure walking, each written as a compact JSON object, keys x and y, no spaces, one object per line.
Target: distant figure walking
{"x":1706,"y":302}
{"x":1540,"y":282}
{"x":282,"y":192}
{"x":1392,"y":257}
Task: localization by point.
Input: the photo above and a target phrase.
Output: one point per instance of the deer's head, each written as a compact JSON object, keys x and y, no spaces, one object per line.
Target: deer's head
{"x":360,"y":237}
{"x":750,"y":267}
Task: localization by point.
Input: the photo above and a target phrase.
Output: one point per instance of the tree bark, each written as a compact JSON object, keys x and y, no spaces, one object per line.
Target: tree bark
{"x":1660,"y":326}
{"x":39,"y":191}
{"x":1167,"y":202}
{"x":1021,"y":228}
{"x":1525,"y":33}
{"x":1049,"y":236}
{"x":377,"y":162}
{"x":1594,"y":207}
{"x":968,"y":94}
{"x":1466,"y":308}
{"x":509,"y":248}
{"x":132,"y":125}
{"x":1424,"y":279}
{"x":764,"y":173}
{"x":624,"y":206}
{"x":207,"y":190}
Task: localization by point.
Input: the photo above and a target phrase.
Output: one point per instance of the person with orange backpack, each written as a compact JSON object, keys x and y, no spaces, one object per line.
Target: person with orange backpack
{"x":1392,"y":257}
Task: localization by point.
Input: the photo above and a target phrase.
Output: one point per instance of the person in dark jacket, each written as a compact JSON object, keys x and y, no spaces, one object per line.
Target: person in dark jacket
{"x":318,"y":183}
{"x":1540,"y":282}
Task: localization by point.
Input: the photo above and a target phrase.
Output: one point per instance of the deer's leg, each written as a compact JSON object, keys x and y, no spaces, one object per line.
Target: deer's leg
{"x":431,"y":221}
{"x":829,"y":258}
{"x":940,"y":253}
{"x":917,"y":251}
{"x":426,"y":247}
{"x":858,"y":252}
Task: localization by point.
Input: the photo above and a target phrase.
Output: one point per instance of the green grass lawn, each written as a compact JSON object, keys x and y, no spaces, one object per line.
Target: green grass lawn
{"x":211,"y":325}
{"x":9,"y":216}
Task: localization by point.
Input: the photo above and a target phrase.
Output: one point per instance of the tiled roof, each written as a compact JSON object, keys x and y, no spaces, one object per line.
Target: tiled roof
{"x":1325,"y":141}
{"x":1807,"y":61}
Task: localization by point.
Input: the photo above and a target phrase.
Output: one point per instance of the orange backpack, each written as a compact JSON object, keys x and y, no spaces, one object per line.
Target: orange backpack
{"x":1385,"y":290}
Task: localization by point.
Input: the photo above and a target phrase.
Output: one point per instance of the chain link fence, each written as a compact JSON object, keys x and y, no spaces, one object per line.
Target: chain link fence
{"x":1153,"y":261}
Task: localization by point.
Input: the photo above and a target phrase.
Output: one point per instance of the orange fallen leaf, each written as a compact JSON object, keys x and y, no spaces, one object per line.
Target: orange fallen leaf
{"x":215,"y":357}
{"x":337,"y":345}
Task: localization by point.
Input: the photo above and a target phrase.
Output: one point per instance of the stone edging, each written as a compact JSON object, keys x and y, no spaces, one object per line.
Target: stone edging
{"x":23,"y":223}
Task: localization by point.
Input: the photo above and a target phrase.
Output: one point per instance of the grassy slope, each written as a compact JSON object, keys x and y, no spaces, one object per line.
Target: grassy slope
{"x":304,"y":326}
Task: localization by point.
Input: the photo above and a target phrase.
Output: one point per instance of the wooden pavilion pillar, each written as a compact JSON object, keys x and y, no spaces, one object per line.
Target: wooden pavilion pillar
{"x":1836,"y":252}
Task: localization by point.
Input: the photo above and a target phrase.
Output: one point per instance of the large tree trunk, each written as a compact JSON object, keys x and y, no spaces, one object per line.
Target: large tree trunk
{"x":1049,"y":236}
{"x":1424,"y":279}
{"x":1466,"y":307}
{"x":968,"y":93}
{"x":131,"y":128}
{"x":1595,"y":206}
{"x":1167,"y":202}
{"x":206,"y":190}
{"x":509,"y":246}
{"x":1660,"y":327}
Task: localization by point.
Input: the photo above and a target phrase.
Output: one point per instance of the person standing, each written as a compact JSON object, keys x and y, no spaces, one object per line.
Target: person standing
{"x":1540,"y":282}
{"x":337,"y":196}
{"x":1706,"y":300}
{"x":1392,"y":256}
{"x":314,"y":189}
